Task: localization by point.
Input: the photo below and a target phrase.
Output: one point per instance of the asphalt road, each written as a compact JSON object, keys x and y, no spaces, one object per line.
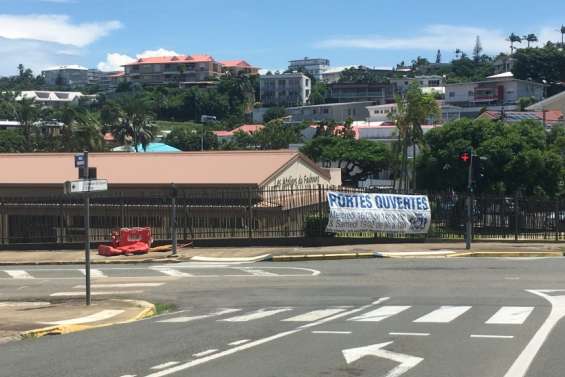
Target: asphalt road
{"x":474,"y":317}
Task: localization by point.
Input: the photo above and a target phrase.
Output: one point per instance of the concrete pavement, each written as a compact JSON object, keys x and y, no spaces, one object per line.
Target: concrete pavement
{"x":492,"y":249}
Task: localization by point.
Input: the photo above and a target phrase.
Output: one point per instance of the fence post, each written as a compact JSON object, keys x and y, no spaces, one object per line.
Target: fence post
{"x":516,"y":216}
{"x":3,"y":225}
{"x":174,"y":219}
{"x":320,"y":209}
{"x":249,"y":213}
{"x":557,"y":218}
{"x":122,"y":211}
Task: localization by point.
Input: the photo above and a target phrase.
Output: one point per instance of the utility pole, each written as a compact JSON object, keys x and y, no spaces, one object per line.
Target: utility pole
{"x":87,"y":231}
{"x":469,"y":225}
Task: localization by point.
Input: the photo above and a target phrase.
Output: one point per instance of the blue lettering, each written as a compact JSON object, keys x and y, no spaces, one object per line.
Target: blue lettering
{"x":407,"y":203}
{"x":333,"y":199}
{"x":425,"y":203}
{"x":378,"y":201}
{"x":399,"y":202}
{"x":419,"y":203}
{"x":368,"y":201}
{"x":341,"y":201}
{"x":349,"y":201}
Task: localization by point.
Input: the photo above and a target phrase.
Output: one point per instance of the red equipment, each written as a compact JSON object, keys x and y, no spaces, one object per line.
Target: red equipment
{"x":128,"y":241}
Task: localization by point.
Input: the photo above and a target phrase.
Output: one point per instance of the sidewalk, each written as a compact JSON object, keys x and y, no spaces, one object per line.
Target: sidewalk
{"x":32,"y":319}
{"x":492,"y":249}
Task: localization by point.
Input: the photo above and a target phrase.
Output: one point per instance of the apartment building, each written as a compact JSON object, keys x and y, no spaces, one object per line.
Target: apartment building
{"x":338,"y":112}
{"x":69,"y":75}
{"x":172,"y":69}
{"x":315,"y":67}
{"x":287,"y":89}
{"x":428,"y":83}
{"x":237,"y":67}
{"x":384,"y":113}
{"x":497,"y":93}
{"x":380,"y":93}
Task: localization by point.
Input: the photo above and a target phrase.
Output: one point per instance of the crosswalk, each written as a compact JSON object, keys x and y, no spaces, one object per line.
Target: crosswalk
{"x":505,"y":315}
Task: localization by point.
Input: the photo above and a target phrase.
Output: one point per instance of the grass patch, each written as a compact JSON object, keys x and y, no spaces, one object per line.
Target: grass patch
{"x":161,"y":308}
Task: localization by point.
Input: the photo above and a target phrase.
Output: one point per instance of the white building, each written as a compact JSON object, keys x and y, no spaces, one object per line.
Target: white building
{"x":428,"y":83}
{"x":287,"y":89}
{"x":496,"y":93}
{"x":381,"y":113}
{"x":53,"y":98}
{"x":72,"y":75}
{"x":338,"y":112}
{"x":315,"y":67}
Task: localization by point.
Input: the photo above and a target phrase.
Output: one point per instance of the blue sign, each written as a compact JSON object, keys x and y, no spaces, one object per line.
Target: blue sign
{"x":79,"y":160}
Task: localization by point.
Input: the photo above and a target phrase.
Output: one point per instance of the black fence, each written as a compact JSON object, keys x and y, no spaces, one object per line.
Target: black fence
{"x":237,"y":214}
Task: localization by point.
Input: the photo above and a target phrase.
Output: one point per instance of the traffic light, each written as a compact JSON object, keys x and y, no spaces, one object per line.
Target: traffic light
{"x":465,"y":157}
{"x":476,"y":168}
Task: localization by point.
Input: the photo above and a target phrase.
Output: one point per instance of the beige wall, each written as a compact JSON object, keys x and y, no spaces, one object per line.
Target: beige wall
{"x":297,"y":176}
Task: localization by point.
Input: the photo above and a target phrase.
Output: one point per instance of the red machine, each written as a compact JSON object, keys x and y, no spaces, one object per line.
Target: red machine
{"x":127,"y":241}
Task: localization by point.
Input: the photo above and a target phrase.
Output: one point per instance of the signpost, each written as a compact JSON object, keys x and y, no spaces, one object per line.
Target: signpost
{"x":85,"y":186}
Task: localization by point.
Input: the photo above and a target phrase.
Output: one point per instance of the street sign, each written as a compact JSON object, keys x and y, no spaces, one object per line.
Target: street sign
{"x":79,"y":160}
{"x":86,"y":185}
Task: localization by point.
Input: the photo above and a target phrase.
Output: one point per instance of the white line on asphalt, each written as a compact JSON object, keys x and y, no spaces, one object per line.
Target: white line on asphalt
{"x":380,"y":314}
{"x":258,"y":342}
{"x":444,"y":314}
{"x":100,"y":316}
{"x":204,"y":353}
{"x":165,"y":365}
{"x":129,"y":375}
{"x":171,"y":272}
{"x":258,"y":314}
{"x":121,"y":285}
{"x":409,"y":333}
{"x":256,"y":272}
{"x":510,"y":315}
{"x":23,"y":304}
{"x":18,"y":274}
{"x":331,"y":332}
{"x":493,"y":336}
{"x":511,"y":278}
{"x":99,"y":293}
{"x":313,"y":315}
{"x":238,"y":342}
{"x":94,"y":273}
{"x":194,"y":318}
{"x":521,"y":365}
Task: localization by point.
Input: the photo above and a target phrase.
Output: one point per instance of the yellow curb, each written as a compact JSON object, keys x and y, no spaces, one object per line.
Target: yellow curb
{"x":147,"y":311}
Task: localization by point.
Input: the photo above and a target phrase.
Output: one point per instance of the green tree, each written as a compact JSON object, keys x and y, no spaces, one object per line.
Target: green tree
{"x":131,"y":122}
{"x":358,"y":159}
{"x":319,"y":93}
{"x":276,"y":135}
{"x":191,"y":139}
{"x":26,"y":112}
{"x":274,"y":113}
{"x":530,"y":38}
{"x":478,"y":49}
{"x":12,"y":141}
{"x":513,"y":38}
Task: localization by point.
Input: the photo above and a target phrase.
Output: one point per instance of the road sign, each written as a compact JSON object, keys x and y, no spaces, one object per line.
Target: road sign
{"x":86,"y":185}
{"x":79,"y":160}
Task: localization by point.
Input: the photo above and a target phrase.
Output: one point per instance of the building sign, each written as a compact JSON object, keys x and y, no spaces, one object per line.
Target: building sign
{"x":378,"y":213}
{"x":295,"y":177}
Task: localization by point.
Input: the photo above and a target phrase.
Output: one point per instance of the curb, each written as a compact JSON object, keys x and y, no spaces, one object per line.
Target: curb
{"x":336,"y":256}
{"x":510,"y":254}
{"x":148,"y":310}
{"x":258,"y":258}
{"x":121,"y":261}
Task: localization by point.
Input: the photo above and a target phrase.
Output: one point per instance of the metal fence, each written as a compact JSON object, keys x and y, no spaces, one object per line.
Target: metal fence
{"x":251,"y":213}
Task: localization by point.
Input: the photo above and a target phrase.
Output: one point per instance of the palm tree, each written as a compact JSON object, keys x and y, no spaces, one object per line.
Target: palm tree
{"x":457,"y":53}
{"x":562,"y":30}
{"x":513,"y":38}
{"x":26,"y":113}
{"x":130,"y":122}
{"x":530,"y":38}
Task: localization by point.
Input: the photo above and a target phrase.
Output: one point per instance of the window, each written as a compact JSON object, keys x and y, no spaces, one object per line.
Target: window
{"x":451,"y":94}
{"x":326,"y":110}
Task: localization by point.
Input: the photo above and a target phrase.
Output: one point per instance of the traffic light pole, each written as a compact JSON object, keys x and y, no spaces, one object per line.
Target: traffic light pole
{"x":87,"y":232}
{"x":469,"y":222}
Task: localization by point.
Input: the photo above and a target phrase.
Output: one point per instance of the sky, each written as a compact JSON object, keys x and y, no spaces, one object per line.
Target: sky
{"x":105,"y":34}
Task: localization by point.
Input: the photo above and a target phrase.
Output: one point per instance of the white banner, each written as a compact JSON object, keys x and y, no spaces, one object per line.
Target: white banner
{"x":378,"y":213}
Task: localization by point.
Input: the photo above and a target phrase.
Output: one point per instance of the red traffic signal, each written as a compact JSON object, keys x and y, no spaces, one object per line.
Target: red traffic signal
{"x":465,"y":157}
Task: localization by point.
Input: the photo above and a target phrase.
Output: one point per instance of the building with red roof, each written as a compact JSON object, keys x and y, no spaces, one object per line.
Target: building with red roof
{"x":246,"y":129}
{"x":236,"y":67}
{"x":548,"y":117}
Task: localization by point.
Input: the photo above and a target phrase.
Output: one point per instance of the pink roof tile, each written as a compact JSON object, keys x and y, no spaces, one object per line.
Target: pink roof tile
{"x":173,"y":59}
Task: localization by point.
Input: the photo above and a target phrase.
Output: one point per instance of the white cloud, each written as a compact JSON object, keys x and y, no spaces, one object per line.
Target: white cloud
{"x":54,"y":28}
{"x":433,"y":37}
{"x":114,"y":61}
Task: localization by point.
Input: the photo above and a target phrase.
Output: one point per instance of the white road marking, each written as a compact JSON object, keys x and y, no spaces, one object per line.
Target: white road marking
{"x":492,"y":336}
{"x":380,"y":314}
{"x":238,"y":342}
{"x":94,"y":273}
{"x":332,"y":332}
{"x":22,"y":304}
{"x":258,"y":342}
{"x":19,"y":274}
{"x":129,"y":375}
{"x":444,"y":314}
{"x":171,"y":272}
{"x":256,"y":272}
{"x":258,"y":314}
{"x":165,"y":365}
{"x":121,"y":285}
{"x":510,"y":315}
{"x":98,"y":293}
{"x":524,"y":360}
{"x":204,"y":353}
{"x":314,"y":315}
{"x":409,"y":333}
{"x":194,"y":318}
{"x":407,"y":362}
{"x":512,"y":278}
{"x":100,"y":316}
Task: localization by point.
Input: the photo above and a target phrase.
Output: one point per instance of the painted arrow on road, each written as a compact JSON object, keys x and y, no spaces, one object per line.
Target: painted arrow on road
{"x":407,"y":362}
